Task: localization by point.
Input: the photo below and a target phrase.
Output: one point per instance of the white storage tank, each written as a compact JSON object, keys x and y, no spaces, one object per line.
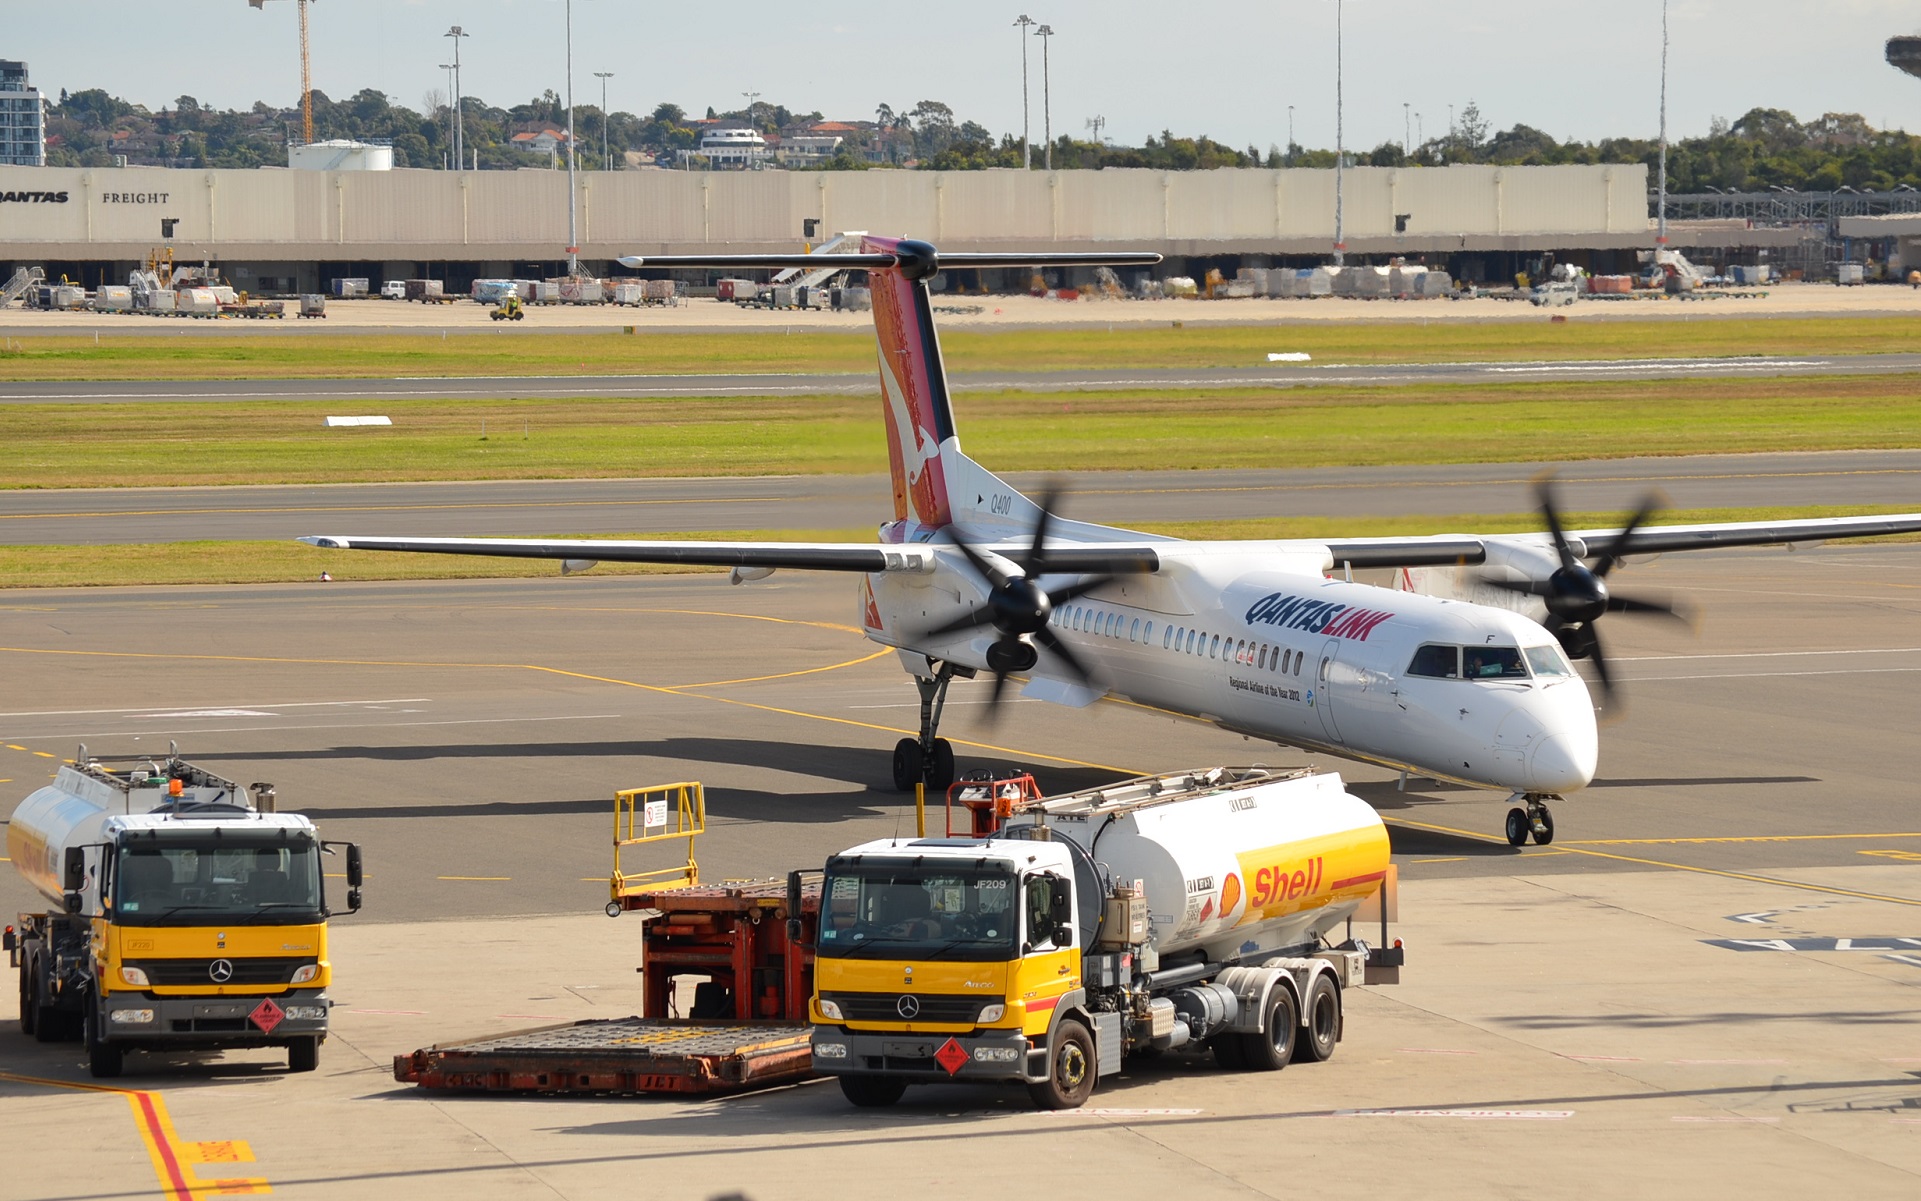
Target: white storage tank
{"x":341,"y":154}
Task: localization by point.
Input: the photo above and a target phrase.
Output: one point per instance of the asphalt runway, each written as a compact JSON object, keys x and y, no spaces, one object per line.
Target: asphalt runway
{"x":778,"y":384}
{"x":665,"y":506}
{"x":1628,"y":987}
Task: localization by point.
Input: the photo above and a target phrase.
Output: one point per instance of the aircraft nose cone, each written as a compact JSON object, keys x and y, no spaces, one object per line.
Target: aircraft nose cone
{"x":1562,"y":763}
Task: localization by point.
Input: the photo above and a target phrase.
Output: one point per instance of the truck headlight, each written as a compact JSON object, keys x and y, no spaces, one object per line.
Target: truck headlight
{"x":305,"y":1013}
{"x":305,"y":972}
{"x":830,"y":1050}
{"x":992,"y":1013}
{"x":829,"y":1010}
{"x":996,"y":1054}
{"x":130,"y":1017}
{"x":133,"y":977}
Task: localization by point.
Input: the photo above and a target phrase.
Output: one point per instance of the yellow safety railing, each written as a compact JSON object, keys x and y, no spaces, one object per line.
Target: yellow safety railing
{"x":647,"y":815}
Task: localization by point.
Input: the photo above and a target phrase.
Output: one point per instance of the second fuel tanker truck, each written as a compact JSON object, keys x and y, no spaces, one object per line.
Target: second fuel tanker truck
{"x":185,"y":914}
{"x":1178,"y":911}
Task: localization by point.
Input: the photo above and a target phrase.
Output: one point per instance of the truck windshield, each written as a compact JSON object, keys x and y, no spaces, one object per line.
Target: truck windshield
{"x":192,"y":883}
{"x":915,"y":913}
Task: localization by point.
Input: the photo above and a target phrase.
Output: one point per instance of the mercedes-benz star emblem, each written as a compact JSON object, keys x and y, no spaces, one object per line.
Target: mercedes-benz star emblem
{"x":220,"y":971}
{"x":908,"y":1007}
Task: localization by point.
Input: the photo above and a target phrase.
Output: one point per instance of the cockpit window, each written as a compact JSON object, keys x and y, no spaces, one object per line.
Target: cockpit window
{"x":1493,"y":663}
{"x":1547,"y":661}
{"x":1443,"y":662}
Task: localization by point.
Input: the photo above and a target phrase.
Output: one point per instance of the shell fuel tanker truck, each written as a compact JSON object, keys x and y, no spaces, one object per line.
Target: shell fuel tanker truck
{"x":185,"y":914}
{"x":1186,"y":911}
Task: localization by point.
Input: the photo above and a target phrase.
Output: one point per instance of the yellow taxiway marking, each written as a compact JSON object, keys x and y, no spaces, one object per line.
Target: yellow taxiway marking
{"x":174,"y":1160}
{"x":785,"y":675}
{"x":12,"y":747}
{"x":486,"y":879}
{"x":1679,"y":867}
{"x":662,"y":689}
{"x":1903,"y":856}
{"x":1456,"y":859}
{"x":1632,"y":842}
{"x":44,"y":754}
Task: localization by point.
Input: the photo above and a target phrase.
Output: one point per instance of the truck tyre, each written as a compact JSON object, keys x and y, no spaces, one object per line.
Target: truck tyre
{"x":872,"y":1092}
{"x":303,"y":1054}
{"x":1269,"y":1049}
{"x":28,"y":1005}
{"x":104,"y":1059}
{"x":1322,"y":1033}
{"x":1070,"y":1069}
{"x":50,"y":1025}
{"x":1227,"y":1052}
{"x":907,"y":764}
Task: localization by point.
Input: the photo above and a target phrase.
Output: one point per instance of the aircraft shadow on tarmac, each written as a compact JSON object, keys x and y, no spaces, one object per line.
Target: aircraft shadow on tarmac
{"x":866,"y":773}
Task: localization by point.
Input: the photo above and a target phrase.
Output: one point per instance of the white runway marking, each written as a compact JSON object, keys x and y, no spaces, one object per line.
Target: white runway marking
{"x":407,"y":700}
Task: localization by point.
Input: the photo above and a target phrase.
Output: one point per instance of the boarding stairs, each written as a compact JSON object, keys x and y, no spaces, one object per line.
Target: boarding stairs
{"x":17,"y":287}
{"x":813,"y":277}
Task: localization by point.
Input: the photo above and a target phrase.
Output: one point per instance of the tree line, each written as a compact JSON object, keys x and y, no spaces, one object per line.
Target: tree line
{"x":1765,"y":148}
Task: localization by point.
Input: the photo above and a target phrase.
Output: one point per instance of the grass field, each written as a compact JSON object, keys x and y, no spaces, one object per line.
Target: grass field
{"x":60,"y":445}
{"x":375,"y":356}
{"x":293,"y":562}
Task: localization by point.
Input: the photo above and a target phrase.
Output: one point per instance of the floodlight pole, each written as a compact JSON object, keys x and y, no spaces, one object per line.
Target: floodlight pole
{"x":460,"y":124}
{"x":452,"y":151}
{"x":1027,"y":152}
{"x":1661,"y":209}
{"x":606,"y":156}
{"x":573,"y":228}
{"x":1340,"y":144}
{"x":1046,"y":34}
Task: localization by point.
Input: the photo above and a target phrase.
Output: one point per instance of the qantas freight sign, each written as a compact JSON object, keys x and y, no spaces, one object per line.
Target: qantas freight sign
{"x":1315,"y":617}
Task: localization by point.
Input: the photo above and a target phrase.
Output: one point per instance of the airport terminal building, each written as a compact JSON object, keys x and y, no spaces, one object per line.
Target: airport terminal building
{"x":281,"y":230}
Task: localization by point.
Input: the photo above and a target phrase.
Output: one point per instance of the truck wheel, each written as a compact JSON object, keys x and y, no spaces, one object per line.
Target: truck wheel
{"x":104,"y":1059}
{"x":303,"y":1054}
{"x":28,"y":1005}
{"x":907,"y":764}
{"x":1227,"y":1052}
{"x":1070,"y":1070}
{"x":50,"y":1025}
{"x":1269,"y":1050}
{"x":872,"y":1092}
{"x":1316,"y":1044}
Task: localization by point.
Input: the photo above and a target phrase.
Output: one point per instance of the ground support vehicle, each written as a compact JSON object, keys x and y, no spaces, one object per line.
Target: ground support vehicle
{"x":187,"y":914}
{"x":508,"y":309}
{"x":1182,"y":912}
{"x":747,"y":1024}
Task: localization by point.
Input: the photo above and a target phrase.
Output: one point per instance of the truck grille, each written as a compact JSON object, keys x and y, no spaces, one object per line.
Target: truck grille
{"x":175,"y":973}
{"x":886,"y":1006}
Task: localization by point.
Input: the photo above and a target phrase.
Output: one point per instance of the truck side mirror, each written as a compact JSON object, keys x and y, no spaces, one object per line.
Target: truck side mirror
{"x":795,"y":929}
{"x":76,"y":869}
{"x":353,"y":877}
{"x":1060,"y":901}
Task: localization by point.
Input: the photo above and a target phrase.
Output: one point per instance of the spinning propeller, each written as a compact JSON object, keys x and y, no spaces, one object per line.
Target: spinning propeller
{"x":1577,"y":595}
{"x":1019,"y":608}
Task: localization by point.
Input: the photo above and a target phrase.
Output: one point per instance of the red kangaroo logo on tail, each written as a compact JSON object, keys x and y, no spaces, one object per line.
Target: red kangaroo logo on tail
{"x":907,"y":365}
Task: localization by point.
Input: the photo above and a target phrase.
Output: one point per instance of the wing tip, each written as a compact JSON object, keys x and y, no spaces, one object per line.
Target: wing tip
{"x":324,"y":542}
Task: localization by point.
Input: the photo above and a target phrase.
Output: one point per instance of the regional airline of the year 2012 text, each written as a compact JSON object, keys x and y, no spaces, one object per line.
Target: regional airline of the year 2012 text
{"x":1460,"y":673}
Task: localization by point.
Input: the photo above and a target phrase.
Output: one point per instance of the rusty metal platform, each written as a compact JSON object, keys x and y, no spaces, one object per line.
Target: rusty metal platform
{"x":617,"y":1056}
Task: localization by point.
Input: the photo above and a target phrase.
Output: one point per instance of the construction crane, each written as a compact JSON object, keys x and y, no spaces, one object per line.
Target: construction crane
{"x":306,"y":70}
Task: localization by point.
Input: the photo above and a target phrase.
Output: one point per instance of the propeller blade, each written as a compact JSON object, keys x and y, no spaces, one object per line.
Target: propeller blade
{"x":1035,"y":563}
{"x":989,"y":572}
{"x":1524,"y":587}
{"x":1046,"y":638}
{"x":994,"y":697}
{"x":1543,"y":488}
{"x":1659,"y":607}
{"x":1600,"y":660}
{"x":1618,"y":548}
{"x":967,"y":621}
{"x":1060,"y":596}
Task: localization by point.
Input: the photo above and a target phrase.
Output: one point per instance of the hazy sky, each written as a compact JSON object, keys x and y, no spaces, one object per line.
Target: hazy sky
{"x":1226,"y":68}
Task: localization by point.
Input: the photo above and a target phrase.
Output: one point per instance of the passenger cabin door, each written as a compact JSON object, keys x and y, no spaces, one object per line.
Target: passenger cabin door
{"x":1324,"y":689}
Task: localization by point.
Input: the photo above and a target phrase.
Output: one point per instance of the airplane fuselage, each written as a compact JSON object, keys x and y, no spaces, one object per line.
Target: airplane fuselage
{"x":1440,"y":688}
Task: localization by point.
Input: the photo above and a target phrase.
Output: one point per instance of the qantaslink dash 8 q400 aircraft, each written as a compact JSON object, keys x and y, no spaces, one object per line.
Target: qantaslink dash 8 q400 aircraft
{"x":1460,"y":672}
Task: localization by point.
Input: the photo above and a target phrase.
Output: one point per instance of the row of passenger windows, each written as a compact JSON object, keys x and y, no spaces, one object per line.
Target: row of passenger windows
{"x":1278,"y":659}
{"x":1487,"y":662}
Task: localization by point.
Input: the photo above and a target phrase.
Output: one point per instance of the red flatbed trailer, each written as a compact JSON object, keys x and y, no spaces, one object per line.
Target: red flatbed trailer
{"x":748,"y":1029}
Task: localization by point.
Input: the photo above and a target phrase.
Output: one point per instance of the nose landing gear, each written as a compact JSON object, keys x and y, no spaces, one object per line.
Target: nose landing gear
{"x":1534,"y":820}
{"x":928,"y":759}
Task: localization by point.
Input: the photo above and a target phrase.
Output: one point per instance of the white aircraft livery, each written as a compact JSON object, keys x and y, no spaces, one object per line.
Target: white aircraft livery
{"x":1460,"y":672}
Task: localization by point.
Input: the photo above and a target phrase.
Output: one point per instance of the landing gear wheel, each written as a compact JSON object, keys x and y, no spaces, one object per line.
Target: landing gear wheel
{"x":1544,"y":832}
{"x":940,"y":768}
{"x":1323,"y":1033}
{"x":303,"y":1054}
{"x":104,"y":1059}
{"x":907,"y":769}
{"x":872,"y":1092}
{"x":1269,"y":1050}
{"x":1518,"y":827}
{"x":1070,"y":1070}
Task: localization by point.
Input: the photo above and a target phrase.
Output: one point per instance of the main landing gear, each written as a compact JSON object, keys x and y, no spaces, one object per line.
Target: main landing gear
{"x":928,"y":760}
{"x":1533,"y":820}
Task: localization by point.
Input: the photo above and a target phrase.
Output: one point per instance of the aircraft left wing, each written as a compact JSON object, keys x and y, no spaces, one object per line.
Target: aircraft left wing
{"x":1454,"y":549}
{"x":920,"y":557}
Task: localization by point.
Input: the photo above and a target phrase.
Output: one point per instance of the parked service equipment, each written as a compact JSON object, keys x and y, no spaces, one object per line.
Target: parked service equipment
{"x":186,"y":914}
{"x":349,"y":289}
{"x":1176,"y":912}
{"x":427,"y":291}
{"x":313,"y":304}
